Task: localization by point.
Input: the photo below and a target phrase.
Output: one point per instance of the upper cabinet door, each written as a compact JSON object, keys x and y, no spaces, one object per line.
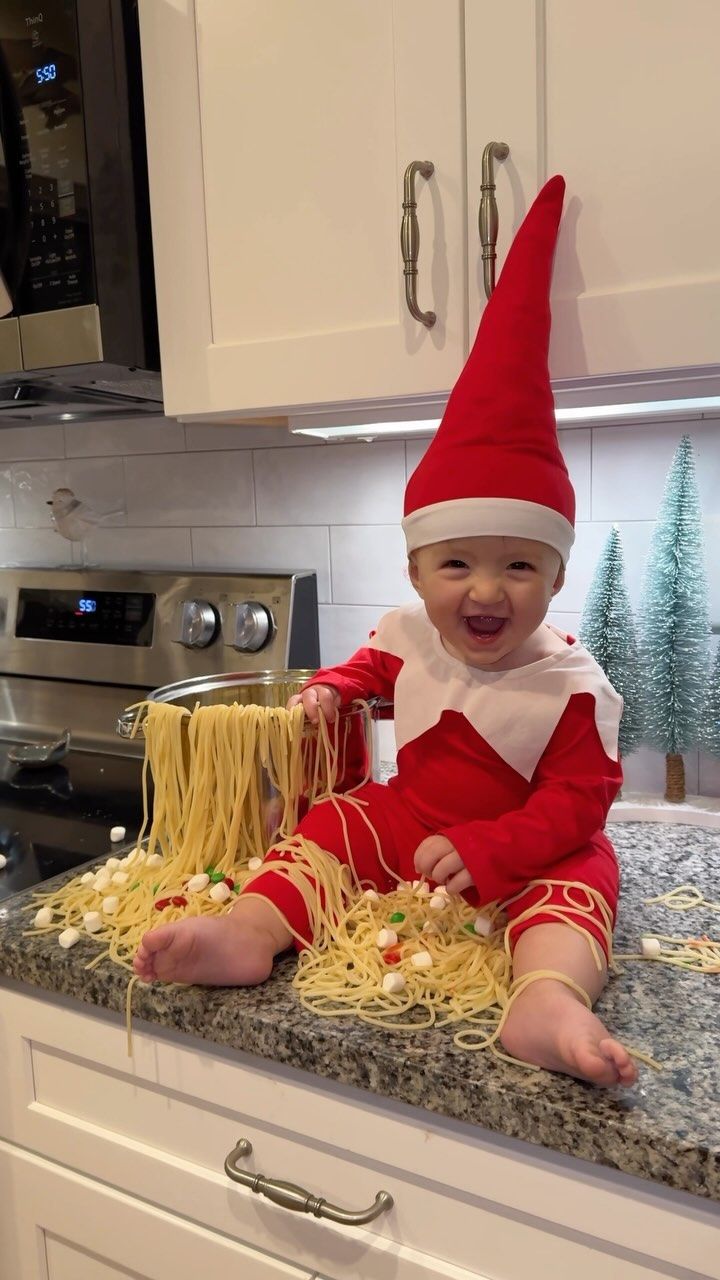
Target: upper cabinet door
{"x":624,"y":100}
{"x":278,"y":137}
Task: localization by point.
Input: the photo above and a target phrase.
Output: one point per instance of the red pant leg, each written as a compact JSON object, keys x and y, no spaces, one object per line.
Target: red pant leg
{"x":595,"y":865}
{"x":399,"y":834}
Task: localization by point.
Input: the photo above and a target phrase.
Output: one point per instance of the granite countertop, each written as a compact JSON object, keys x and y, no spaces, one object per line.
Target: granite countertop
{"x":666,"y":1129}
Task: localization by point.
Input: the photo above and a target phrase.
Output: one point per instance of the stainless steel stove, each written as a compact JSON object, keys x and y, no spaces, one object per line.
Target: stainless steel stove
{"x":77,"y":647}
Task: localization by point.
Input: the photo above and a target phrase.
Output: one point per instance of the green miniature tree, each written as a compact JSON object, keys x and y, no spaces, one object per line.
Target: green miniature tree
{"x":710,"y":729}
{"x":675,"y":623}
{"x":607,"y":629}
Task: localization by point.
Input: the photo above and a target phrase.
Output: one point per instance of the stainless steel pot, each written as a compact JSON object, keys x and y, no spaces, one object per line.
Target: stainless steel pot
{"x":272,"y":689}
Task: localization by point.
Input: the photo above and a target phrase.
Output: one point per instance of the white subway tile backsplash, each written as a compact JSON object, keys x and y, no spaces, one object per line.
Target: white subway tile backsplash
{"x":257,"y":498}
{"x":140,"y":435}
{"x":331,"y":484}
{"x":24,"y":443}
{"x":7,"y":510}
{"x":256,"y":549}
{"x":344,"y":628}
{"x":139,"y":549}
{"x":34,"y":548}
{"x":369,"y":565}
{"x":204,"y":436}
{"x":576,"y":448}
{"x":97,"y":482}
{"x":190,"y":489}
{"x":630,"y":464}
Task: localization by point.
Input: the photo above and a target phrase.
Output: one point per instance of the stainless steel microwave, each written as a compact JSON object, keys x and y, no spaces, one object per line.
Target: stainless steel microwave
{"x":77,"y":294}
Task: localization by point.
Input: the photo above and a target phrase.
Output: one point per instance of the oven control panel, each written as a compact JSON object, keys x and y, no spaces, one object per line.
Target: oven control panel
{"x":153,"y":628}
{"x":87,"y":617}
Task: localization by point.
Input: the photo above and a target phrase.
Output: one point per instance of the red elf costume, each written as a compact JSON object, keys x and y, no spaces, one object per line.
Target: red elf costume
{"x":517,"y":768}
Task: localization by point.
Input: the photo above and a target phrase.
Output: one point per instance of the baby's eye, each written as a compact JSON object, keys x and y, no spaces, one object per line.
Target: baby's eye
{"x":454,"y":564}
{"x":520,"y":564}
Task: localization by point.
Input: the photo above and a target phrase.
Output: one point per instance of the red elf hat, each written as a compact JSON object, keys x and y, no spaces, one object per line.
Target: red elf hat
{"x":494,"y":466}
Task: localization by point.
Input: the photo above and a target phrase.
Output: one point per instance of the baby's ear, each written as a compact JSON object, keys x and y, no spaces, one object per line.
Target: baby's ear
{"x":414,"y":573}
{"x":559,"y":582}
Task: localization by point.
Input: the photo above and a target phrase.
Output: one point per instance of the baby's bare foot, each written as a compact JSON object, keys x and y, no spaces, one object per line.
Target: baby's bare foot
{"x":224,"y":951}
{"x":549,"y":1026}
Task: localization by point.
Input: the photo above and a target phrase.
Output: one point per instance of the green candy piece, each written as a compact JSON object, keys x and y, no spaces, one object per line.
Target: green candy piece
{"x":136,"y":885}
{"x":236,"y":888}
{"x":155,"y":888}
{"x":216,"y":876}
{"x":209,"y":871}
{"x":470,"y":928}
{"x":397,"y":917}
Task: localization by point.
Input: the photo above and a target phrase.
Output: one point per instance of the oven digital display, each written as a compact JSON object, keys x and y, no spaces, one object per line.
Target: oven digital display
{"x":97,"y":617}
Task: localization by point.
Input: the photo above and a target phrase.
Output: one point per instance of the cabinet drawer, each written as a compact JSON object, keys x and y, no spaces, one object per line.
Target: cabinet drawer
{"x":161,"y":1125}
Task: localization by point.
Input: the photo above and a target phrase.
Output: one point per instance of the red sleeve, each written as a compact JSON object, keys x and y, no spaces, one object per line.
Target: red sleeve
{"x":573,"y":785}
{"x":368,"y":673}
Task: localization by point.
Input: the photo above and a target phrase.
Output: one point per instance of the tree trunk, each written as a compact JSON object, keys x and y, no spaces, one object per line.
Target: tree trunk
{"x":675,"y":778}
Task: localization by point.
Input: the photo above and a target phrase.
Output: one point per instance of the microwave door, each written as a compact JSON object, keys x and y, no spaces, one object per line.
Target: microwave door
{"x":14,"y":218}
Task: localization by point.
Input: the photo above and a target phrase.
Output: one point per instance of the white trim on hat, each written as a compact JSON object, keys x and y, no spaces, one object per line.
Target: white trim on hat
{"x":501,"y":517}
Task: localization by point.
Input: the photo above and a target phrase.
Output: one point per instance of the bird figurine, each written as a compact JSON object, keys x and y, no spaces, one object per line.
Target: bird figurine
{"x":74,"y":519}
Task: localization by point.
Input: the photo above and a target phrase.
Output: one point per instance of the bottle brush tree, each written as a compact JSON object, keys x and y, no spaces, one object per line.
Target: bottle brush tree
{"x":607,"y":629}
{"x":710,"y":729}
{"x":675,"y":623}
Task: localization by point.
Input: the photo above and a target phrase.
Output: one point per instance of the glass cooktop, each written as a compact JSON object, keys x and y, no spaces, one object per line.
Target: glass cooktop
{"x":55,"y":819}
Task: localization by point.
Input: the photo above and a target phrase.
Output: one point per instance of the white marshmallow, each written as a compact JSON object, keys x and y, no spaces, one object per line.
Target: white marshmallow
{"x":120,"y":877}
{"x":92,"y":921}
{"x":43,"y":916}
{"x":393,"y":983}
{"x":117,"y":834}
{"x":650,"y":948}
{"x":423,"y":888}
{"x":198,"y":883}
{"x":155,"y":860}
{"x":102,"y":881}
{"x":3,"y":861}
{"x":483,"y":926}
{"x":422,"y":960}
{"x":429,"y":927}
{"x":371,"y":895}
{"x":68,"y":938}
{"x":220,"y":892}
{"x":88,"y":877}
{"x":442,"y":888}
{"x":110,"y":906}
{"x":255,"y":864}
{"x":386,"y":938}
{"x":438,"y":902}
{"x":112,"y":864}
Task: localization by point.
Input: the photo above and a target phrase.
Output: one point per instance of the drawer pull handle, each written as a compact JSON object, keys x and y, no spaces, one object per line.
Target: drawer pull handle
{"x":410,"y":240}
{"x":289,"y":1196}
{"x":488,"y":213}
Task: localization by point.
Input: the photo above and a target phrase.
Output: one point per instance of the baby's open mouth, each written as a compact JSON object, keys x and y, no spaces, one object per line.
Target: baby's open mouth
{"x":481,"y":624}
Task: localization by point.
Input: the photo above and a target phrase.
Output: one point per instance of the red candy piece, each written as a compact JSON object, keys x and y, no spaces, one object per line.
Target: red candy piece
{"x":392,"y":955}
{"x":229,"y":882}
{"x":162,"y":903}
{"x":179,"y":902}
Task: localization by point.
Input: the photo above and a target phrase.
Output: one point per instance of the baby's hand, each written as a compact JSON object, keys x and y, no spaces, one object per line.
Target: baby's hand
{"x":317,"y":698}
{"x":440,"y":861}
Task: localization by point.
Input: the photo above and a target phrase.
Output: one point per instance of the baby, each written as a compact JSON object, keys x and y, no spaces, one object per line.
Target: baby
{"x":506,"y":728}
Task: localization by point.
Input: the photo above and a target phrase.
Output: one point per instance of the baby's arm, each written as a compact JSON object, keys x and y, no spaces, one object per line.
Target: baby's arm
{"x":573,"y":787}
{"x":369,"y":673}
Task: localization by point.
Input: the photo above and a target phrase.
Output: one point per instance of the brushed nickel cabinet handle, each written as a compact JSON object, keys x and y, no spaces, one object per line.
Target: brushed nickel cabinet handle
{"x":410,"y":240}
{"x":290,"y":1196}
{"x":488,"y":215}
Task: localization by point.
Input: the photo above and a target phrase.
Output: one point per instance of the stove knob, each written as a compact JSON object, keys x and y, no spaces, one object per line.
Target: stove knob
{"x":198,"y":624}
{"x":253,"y":626}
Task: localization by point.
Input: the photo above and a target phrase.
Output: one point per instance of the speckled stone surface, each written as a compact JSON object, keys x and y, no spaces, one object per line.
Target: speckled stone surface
{"x":666,"y":1129}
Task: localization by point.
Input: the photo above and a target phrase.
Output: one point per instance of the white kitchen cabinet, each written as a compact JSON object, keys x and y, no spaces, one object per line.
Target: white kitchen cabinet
{"x":57,"y":1225}
{"x":624,"y":100}
{"x":278,"y":137}
{"x":111,"y":1155}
